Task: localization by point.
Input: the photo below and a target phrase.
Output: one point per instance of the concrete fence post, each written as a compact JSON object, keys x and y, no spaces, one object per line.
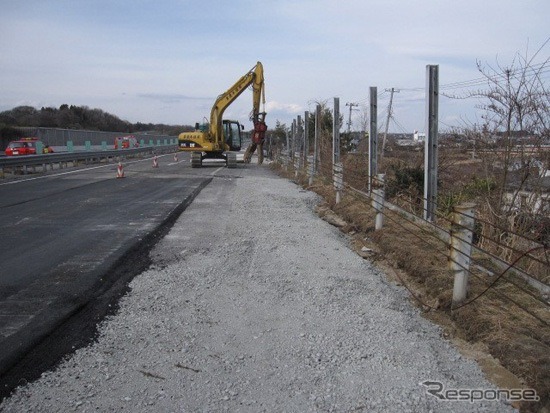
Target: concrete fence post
{"x":462,"y":228}
{"x":338,"y":177}
{"x":310,"y":169}
{"x":378,"y":195}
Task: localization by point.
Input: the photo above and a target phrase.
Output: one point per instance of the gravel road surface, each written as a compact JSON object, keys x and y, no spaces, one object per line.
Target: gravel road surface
{"x":255,"y":304}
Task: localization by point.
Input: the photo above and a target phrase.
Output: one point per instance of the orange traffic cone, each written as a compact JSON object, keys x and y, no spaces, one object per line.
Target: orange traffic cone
{"x":155,"y":162}
{"x":120,"y":171}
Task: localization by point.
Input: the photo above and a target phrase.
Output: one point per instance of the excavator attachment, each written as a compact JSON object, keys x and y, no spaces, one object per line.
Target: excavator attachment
{"x":258,"y":138}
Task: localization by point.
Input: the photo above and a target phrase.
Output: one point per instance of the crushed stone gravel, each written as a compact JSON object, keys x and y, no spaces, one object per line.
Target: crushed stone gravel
{"x":255,"y":304}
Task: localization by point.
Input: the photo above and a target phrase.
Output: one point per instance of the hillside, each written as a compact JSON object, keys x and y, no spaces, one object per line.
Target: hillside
{"x":75,"y":117}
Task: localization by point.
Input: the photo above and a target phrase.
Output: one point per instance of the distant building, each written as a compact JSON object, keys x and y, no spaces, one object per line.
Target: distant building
{"x":419,"y":136}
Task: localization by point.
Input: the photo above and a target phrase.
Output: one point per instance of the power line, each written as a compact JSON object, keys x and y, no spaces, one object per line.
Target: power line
{"x":527,"y":72}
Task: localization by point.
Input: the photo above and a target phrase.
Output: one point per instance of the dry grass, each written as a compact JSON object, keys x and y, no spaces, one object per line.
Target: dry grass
{"x":511,"y":336}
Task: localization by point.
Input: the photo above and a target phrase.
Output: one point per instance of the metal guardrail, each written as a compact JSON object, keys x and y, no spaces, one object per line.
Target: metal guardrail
{"x":23,"y":162}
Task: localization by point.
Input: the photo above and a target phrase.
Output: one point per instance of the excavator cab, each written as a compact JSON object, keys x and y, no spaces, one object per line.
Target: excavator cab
{"x":232,"y":134}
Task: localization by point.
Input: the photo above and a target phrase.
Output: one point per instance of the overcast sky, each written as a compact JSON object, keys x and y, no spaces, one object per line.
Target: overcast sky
{"x":166,"y":61}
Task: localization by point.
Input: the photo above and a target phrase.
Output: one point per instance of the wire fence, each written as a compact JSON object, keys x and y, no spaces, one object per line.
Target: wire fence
{"x":517,"y":272}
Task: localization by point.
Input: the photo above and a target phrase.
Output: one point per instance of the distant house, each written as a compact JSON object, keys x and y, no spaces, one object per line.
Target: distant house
{"x":419,"y":136}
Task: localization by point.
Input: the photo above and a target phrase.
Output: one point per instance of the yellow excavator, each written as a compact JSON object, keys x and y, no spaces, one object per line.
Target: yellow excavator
{"x":220,"y":138}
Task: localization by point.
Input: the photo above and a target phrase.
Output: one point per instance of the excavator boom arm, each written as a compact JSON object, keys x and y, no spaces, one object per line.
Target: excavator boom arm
{"x":254,"y":77}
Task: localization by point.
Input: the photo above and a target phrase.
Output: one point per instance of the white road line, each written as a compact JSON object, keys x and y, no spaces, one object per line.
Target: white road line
{"x":77,"y":170}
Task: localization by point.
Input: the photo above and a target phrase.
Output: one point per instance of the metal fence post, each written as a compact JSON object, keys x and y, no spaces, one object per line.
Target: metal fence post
{"x":316,"y":145}
{"x":373,"y":136}
{"x":337,"y":166}
{"x":293,"y":138}
{"x":306,"y":138}
{"x":300,"y":141}
{"x":430,"y":150}
{"x":378,"y":196}
{"x":462,"y":228}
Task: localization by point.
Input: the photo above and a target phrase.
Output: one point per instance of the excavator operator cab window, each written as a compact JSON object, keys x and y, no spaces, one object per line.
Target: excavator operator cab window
{"x":232,"y":132}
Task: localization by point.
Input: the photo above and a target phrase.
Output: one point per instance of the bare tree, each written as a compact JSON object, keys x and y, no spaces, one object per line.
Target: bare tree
{"x":513,"y":140}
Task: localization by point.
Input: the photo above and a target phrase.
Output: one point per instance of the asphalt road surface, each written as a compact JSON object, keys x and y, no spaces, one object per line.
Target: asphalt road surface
{"x":70,"y":236}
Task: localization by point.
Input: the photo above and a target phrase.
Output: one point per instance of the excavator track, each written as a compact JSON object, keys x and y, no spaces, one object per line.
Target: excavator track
{"x":231,"y":159}
{"x":196,"y":159}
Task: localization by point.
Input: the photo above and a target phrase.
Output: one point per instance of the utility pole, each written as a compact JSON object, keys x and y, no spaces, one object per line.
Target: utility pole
{"x":351,"y":105}
{"x":388,"y":119}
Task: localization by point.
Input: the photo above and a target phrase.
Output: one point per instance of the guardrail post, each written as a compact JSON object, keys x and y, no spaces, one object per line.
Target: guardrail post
{"x":462,"y":228}
{"x":378,"y":196}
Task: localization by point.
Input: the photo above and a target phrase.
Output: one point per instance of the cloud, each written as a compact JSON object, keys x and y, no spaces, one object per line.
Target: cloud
{"x":291,"y":108}
{"x":173,"y":58}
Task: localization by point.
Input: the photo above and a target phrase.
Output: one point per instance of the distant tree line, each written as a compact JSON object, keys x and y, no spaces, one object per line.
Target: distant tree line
{"x":76,"y":117}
